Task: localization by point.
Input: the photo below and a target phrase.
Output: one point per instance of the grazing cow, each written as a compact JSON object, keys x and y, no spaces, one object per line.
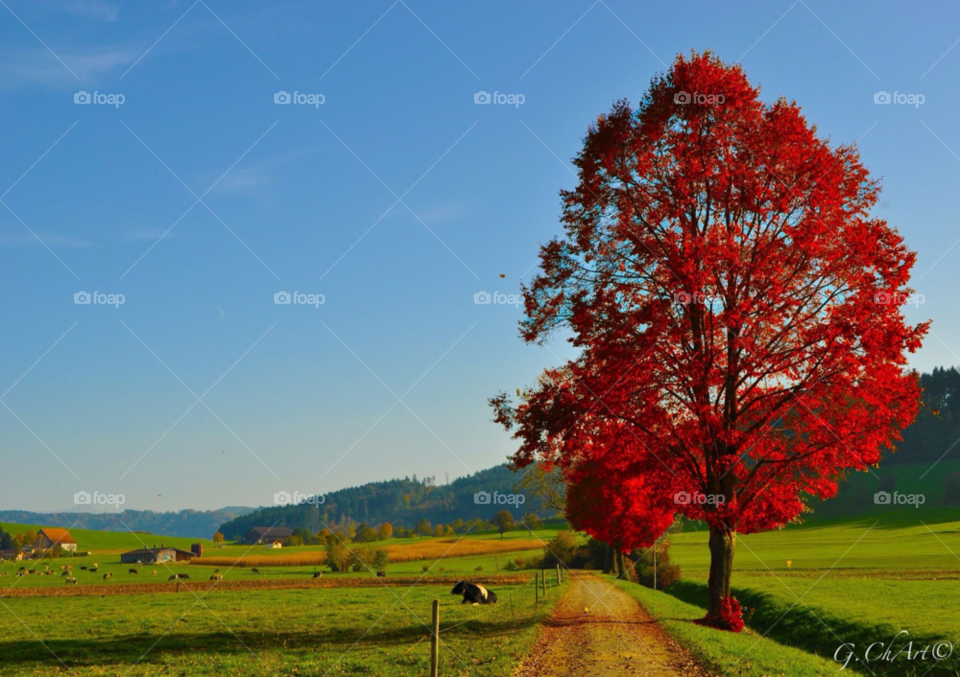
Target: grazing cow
{"x":216,"y":577}
{"x":62,"y":567}
{"x":83,"y":568}
{"x":318,"y":574}
{"x":216,"y":571}
{"x":154,"y":573}
{"x":179,"y":577}
{"x":21,"y":573}
{"x":473,"y":594}
{"x":107,"y":576}
{"x":255,"y":570}
{"x":381,"y":574}
{"x":65,"y":573}
{"x":133,"y":571}
{"x":22,"y":569}
{"x":71,"y":580}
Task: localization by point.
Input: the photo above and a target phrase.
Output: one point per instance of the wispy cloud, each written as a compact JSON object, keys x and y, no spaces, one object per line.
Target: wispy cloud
{"x":106,"y":11}
{"x":256,"y":176}
{"x":26,"y":66}
{"x":52,"y":240}
{"x":150,"y":234}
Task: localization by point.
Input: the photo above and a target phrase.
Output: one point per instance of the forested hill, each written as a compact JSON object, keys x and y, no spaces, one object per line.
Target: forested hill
{"x":401,"y":502}
{"x":187,"y":523}
{"x":937,"y":427}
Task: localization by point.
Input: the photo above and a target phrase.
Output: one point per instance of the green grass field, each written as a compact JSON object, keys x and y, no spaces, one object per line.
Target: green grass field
{"x":337,"y":632}
{"x":857,"y":575}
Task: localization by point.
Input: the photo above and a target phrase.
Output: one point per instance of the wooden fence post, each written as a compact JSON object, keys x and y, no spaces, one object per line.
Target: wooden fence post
{"x":558,"y":574}
{"x":435,"y":641}
{"x":543,"y":582}
{"x":536,"y":588}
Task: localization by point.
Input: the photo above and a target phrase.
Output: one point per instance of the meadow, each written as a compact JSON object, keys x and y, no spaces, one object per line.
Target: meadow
{"x":850,"y":575}
{"x":343,"y":631}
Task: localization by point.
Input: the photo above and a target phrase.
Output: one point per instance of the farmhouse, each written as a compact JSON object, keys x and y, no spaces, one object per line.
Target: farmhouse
{"x":259,"y":535}
{"x":155,"y":555}
{"x":275,"y":545}
{"x":15,"y":555}
{"x":52,"y":536}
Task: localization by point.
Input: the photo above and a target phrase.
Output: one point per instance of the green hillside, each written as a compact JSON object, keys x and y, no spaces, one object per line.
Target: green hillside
{"x":402,"y":502}
{"x":105,"y":541}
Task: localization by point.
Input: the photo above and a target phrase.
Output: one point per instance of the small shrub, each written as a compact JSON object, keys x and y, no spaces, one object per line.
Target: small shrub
{"x":479,"y":569}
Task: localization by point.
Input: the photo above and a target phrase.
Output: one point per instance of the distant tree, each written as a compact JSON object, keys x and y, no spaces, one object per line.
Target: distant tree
{"x":386,"y":531}
{"x":531,"y":522}
{"x":294,"y":540}
{"x":6,"y":540}
{"x":459,"y":526}
{"x":503,"y":521}
{"x":339,"y":555}
{"x":218,"y":537}
{"x":449,"y":531}
{"x":400,"y":533}
{"x":423,"y":527}
{"x":560,"y":550}
{"x":380,"y":559}
{"x":547,"y":486}
{"x":438,"y":531}
{"x":367,"y":535}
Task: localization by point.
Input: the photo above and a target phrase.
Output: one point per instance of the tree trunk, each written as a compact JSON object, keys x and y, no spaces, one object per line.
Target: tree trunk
{"x":721,"y":567}
{"x":608,"y":560}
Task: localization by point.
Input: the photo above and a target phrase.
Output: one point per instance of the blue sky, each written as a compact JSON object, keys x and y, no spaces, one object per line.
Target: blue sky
{"x":398,"y":199}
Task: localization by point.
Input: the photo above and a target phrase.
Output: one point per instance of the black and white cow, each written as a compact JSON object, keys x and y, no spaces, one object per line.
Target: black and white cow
{"x":473,"y":594}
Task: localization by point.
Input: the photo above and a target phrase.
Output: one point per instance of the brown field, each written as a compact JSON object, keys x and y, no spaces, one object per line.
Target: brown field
{"x":412,"y":552}
{"x":270,"y":584}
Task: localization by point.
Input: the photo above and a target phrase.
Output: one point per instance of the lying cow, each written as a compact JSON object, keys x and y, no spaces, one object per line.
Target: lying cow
{"x":473,"y":594}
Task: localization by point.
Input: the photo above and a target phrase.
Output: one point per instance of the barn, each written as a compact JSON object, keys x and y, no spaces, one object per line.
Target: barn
{"x":52,"y":536}
{"x":155,"y":555}
{"x":265,"y":535}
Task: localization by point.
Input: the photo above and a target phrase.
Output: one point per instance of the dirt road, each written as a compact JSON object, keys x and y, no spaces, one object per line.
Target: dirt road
{"x":614,"y":637}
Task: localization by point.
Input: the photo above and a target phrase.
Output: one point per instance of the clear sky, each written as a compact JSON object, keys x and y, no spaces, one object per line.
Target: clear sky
{"x":398,"y":198}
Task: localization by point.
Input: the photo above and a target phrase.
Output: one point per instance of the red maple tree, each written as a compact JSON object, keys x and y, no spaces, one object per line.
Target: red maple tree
{"x":738,"y":315}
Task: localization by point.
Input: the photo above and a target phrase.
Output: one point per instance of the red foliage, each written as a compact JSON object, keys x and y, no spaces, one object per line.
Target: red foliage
{"x":730,"y":616}
{"x":728,"y":291}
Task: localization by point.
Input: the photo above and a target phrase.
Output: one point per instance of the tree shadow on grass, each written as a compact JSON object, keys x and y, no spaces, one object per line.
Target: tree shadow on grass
{"x":821,"y":633}
{"x":151,"y":649}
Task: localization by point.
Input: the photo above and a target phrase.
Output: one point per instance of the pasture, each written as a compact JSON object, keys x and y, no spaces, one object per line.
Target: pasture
{"x":330,"y":631}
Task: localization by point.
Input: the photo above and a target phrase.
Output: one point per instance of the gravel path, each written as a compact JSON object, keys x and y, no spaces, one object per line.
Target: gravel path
{"x":598,"y":629}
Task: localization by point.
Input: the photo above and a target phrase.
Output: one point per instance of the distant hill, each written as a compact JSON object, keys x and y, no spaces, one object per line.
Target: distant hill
{"x":186,"y":523}
{"x":402,"y":502}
